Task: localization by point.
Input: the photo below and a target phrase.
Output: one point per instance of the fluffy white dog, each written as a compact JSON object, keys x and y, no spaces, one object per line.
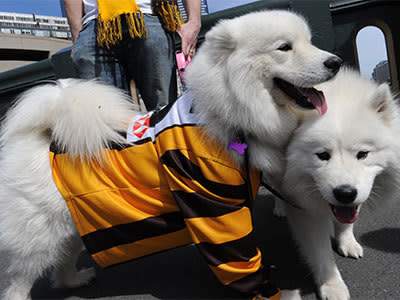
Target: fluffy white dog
{"x":249,"y":81}
{"x":336,"y":163}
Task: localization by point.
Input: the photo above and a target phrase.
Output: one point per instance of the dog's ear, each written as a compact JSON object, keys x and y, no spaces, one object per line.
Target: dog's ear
{"x":220,"y":38}
{"x":383,"y":102}
{"x":382,"y":98}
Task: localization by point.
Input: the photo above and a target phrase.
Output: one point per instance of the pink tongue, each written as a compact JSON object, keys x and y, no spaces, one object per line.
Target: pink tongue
{"x":317,"y":98}
{"x":345,"y":214}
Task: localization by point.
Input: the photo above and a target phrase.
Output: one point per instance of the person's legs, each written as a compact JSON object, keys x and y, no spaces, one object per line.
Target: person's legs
{"x":91,"y":61}
{"x":151,"y":63}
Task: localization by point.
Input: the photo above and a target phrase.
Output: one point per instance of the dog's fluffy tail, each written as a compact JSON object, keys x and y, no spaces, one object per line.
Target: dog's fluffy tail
{"x":81,"y":117}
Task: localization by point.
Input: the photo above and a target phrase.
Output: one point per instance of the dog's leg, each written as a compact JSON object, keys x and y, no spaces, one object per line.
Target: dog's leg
{"x":279,"y":208}
{"x":35,"y":226}
{"x":20,"y":284}
{"x":347,"y":244}
{"x":290,"y":295}
{"x":32,"y":258}
{"x":285,"y":295}
{"x":27,"y":265}
{"x":313,"y":236}
{"x":66,"y":274}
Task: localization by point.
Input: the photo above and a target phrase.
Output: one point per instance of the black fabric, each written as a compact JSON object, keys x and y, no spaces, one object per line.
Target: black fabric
{"x":194,"y":205}
{"x":128,"y":233}
{"x":239,"y":250}
{"x":177,"y":161}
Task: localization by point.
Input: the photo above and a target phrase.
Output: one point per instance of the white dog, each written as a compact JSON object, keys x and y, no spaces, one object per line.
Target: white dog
{"x":336,"y":163}
{"x":249,"y":81}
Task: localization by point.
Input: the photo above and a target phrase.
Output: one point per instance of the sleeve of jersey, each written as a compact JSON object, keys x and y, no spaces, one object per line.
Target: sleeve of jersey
{"x":213,"y":199}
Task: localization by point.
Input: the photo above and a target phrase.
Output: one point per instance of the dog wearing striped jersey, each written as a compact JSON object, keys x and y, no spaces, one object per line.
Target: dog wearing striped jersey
{"x":80,"y":164}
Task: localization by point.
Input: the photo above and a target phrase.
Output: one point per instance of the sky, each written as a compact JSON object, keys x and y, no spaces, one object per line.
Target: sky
{"x":39,"y":7}
{"x":215,"y":5}
{"x":52,"y":7}
{"x":370,"y":53}
{"x":370,"y":42}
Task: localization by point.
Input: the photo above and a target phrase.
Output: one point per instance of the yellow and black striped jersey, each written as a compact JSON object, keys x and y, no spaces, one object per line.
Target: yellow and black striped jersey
{"x":169,"y":186}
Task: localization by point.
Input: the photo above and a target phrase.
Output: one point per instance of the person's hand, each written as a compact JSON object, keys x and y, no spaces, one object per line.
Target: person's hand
{"x":74,"y":37}
{"x":72,"y":51}
{"x":189,"y":33}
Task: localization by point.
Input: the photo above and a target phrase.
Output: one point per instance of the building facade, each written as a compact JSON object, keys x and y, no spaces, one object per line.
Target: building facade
{"x":381,"y":72}
{"x":36,"y":25}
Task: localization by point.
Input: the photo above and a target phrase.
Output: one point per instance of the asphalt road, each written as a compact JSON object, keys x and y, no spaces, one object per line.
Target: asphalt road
{"x":182,"y":274}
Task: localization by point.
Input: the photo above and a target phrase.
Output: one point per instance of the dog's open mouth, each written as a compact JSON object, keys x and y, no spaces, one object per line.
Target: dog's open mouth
{"x":309,"y":98}
{"x":345,"y":214}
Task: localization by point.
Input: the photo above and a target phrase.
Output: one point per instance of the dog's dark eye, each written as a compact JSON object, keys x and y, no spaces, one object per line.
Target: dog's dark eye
{"x":285,"y":47}
{"x":362,"y":155}
{"x":323,"y":155}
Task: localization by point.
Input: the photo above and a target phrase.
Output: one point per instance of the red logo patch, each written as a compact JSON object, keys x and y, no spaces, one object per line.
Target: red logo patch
{"x":140,"y":126}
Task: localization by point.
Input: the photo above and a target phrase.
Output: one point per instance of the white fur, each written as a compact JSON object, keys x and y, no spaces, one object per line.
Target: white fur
{"x":35,"y":224}
{"x":84,"y":117}
{"x":362,"y":116}
{"x":231,"y":80}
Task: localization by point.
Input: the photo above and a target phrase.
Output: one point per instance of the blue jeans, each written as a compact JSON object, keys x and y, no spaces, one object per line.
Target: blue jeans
{"x":149,"y":62}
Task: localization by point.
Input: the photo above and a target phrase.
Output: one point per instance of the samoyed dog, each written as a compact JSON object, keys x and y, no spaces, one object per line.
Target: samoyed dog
{"x":336,"y":163}
{"x":76,"y":159}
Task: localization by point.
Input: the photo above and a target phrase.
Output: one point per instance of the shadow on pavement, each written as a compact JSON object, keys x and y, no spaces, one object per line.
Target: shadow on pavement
{"x":384,"y":239}
{"x":183,"y":274}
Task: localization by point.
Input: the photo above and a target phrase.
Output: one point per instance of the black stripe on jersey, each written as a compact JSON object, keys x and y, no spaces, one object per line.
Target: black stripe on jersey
{"x":128,"y":233}
{"x":269,"y":290}
{"x":143,"y":141}
{"x":177,"y":126}
{"x":54,"y":147}
{"x":159,"y":114}
{"x":239,"y":250}
{"x":252,"y":283}
{"x":181,"y":164}
{"x":194,"y":205}
{"x":119,"y":147}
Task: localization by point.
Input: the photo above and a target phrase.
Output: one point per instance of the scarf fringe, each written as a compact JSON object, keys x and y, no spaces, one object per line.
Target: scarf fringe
{"x":169,"y":14}
{"x":109,"y":32}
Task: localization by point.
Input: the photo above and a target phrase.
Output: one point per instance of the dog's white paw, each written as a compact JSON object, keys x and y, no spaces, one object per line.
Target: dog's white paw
{"x":279,"y":209}
{"x":81,"y":278}
{"x":290,"y":295}
{"x":13,"y":293}
{"x":334,"y":290}
{"x":84,"y":277}
{"x":349,"y":247}
{"x":285,"y":295}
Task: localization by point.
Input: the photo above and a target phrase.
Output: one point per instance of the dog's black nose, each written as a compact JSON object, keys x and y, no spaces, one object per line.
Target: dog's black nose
{"x":333,"y":63}
{"x":345,"y":193}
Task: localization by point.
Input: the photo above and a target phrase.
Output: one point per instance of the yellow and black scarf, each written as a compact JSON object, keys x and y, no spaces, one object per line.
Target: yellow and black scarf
{"x":109,"y":29}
